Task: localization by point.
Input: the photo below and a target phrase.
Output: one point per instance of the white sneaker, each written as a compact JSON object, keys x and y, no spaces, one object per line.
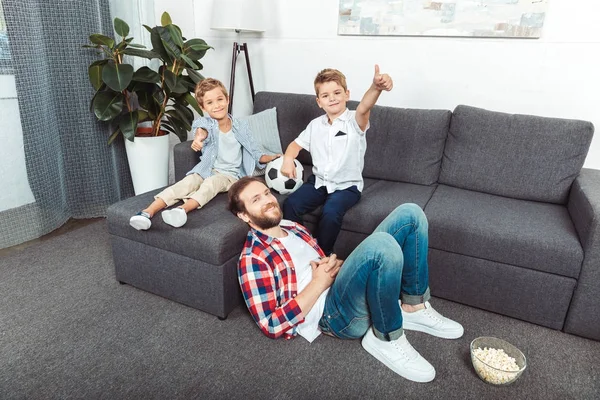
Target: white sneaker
{"x":141,"y":221}
{"x":399,"y":356}
{"x":177,"y":217}
{"x":430,"y":321}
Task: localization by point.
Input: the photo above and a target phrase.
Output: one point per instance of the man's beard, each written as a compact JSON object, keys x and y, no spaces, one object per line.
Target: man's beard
{"x":263,"y":221}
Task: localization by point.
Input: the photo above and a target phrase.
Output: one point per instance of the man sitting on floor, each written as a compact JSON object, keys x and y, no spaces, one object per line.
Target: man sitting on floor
{"x":291,"y":287}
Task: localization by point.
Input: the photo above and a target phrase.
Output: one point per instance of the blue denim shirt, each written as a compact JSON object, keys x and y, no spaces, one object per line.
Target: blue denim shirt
{"x":241,"y":131}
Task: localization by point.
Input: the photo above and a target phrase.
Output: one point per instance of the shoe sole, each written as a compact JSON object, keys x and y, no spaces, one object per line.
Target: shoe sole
{"x":441,"y":334}
{"x":140,"y":223}
{"x":422,"y":378}
{"x":167,"y":219}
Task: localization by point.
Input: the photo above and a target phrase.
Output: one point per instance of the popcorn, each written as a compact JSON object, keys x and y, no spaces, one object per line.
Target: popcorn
{"x":505,"y":368}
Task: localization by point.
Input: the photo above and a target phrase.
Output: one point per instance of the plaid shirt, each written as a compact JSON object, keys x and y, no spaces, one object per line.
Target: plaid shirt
{"x":267,"y":277}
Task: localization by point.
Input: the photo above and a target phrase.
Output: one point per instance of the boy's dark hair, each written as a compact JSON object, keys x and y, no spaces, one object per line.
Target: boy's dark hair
{"x":330,"y":75}
{"x":234,"y":203}
{"x":206,"y":85}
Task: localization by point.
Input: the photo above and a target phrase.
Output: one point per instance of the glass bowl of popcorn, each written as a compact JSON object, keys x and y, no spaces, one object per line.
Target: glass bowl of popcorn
{"x":496,"y":361}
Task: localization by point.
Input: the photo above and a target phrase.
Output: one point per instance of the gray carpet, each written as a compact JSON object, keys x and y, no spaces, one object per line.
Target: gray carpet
{"x":69,"y":330}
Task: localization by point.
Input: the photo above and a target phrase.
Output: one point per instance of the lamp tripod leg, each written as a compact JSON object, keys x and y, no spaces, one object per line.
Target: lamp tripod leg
{"x":245,"y":49}
{"x":232,"y":79}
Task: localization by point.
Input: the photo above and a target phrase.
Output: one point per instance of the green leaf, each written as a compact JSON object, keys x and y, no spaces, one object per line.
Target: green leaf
{"x":196,"y":48}
{"x":117,"y":76}
{"x":142,"y":116}
{"x":108,"y":105}
{"x":121,"y":27}
{"x":188,"y":83}
{"x":175,"y":114}
{"x":180,"y":130}
{"x":192,"y":102}
{"x":128,"y":124}
{"x":95,"y":75}
{"x":137,"y":46}
{"x":145,"y":74}
{"x":170,"y":79}
{"x":158,"y":47}
{"x":114,"y":136}
{"x":175,"y":33}
{"x":184,"y":114}
{"x":165,"y":19}
{"x":147,"y":28}
{"x":168,"y":43}
{"x":149,"y":54}
{"x":189,"y":62}
{"x":103,"y":40}
{"x":196,"y":77}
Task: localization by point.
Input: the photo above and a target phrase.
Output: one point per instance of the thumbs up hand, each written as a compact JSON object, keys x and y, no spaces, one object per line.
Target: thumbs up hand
{"x":382,"y":81}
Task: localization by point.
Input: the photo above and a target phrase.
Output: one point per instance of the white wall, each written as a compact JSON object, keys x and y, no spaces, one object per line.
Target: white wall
{"x":556,"y":75}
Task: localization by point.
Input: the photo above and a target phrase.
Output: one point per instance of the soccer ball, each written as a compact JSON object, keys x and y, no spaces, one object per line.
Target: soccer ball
{"x":279,"y":182}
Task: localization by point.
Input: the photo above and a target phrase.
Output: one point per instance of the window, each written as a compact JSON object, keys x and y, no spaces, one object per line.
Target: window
{"x":5,"y":58}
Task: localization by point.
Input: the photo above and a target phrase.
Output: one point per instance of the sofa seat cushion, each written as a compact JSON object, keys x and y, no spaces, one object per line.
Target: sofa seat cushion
{"x":528,"y":234}
{"x":211,"y":234}
{"x":379,"y":198}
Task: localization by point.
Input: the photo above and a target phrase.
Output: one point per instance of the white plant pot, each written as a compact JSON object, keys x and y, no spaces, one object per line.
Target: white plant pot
{"x":148,"y":162}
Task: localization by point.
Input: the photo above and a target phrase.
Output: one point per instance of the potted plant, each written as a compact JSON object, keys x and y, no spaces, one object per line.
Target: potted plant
{"x":160,"y":99}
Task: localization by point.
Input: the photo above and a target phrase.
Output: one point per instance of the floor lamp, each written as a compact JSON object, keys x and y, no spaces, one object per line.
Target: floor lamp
{"x":239,"y":16}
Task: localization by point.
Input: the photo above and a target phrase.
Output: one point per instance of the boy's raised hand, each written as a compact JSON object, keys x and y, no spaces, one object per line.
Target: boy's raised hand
{"x":199,"y":137}
{"x":382,"y":81}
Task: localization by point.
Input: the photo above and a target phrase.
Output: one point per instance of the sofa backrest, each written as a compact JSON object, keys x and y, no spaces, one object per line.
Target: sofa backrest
{"x":519,"y":156}
{"x":404,"y":145}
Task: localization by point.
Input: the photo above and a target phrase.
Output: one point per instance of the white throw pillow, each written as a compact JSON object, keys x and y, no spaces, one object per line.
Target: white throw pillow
{"x":263,"y":126}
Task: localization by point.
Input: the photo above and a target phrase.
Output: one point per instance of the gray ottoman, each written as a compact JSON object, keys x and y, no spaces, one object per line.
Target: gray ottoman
{"x":194,"y":265}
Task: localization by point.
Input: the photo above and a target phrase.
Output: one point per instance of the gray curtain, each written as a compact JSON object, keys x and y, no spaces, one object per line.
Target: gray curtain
{"x":72,"y":172}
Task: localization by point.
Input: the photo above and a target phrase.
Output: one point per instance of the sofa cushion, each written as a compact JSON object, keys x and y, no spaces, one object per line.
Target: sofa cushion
{"x":523,"y":233}
{"x":379,"y":198}
{"x":216,"y":235}
{"x":406,"y":145}
{"x":403,"y":145}
{"x":294,"y":112}
{"x":263,"y":126}
{"x":519,"y":156}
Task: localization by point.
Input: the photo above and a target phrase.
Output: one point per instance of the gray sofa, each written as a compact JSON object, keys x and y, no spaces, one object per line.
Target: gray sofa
{"x":513,"y":217}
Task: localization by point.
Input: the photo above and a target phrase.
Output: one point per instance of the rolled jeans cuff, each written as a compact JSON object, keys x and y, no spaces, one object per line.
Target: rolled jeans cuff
{"x":413,"y":300}
{"x":388,"y":337}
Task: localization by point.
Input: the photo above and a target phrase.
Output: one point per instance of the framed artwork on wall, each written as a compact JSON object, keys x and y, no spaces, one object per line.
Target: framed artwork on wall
{"x":457,"y":18}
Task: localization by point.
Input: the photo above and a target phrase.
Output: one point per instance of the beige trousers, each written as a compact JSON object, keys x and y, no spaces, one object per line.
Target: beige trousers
{"x":194,"y":187}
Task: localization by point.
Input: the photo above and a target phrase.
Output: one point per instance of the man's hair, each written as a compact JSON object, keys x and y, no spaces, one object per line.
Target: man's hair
{"x":234,"y":203}
{"x":206,"y":85}
{"x":330,"y":75}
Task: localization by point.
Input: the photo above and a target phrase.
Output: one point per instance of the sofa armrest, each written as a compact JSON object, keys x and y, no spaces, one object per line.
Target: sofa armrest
{"x":584,"y":207}
{"x":184,"y":159}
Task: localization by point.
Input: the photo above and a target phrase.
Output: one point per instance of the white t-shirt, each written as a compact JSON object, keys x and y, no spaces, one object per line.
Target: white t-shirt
{"x":229,"y":158}
{"x":337,"y":151}
{"x":302,"y":254}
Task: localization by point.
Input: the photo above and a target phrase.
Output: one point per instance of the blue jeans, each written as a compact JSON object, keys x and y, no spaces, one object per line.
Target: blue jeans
{"x":388,"y":265}
{"x":335,"y":205}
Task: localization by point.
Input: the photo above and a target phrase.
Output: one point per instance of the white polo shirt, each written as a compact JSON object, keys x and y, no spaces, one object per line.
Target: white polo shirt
{"x":337,"y":150}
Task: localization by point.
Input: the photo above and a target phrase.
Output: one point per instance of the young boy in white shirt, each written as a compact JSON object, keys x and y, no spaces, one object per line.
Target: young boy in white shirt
{"x":337,"y":144}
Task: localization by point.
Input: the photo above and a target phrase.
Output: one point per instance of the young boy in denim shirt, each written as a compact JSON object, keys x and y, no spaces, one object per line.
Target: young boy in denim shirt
{"x":337,"y":144}
{"x":229,"y":153}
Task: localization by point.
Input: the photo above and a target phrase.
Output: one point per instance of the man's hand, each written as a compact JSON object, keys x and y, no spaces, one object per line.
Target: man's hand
{"x":382,"y":81}
{"x":199,"y":137}
{"x":288,"y":168}
{"x":330,"y":265}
